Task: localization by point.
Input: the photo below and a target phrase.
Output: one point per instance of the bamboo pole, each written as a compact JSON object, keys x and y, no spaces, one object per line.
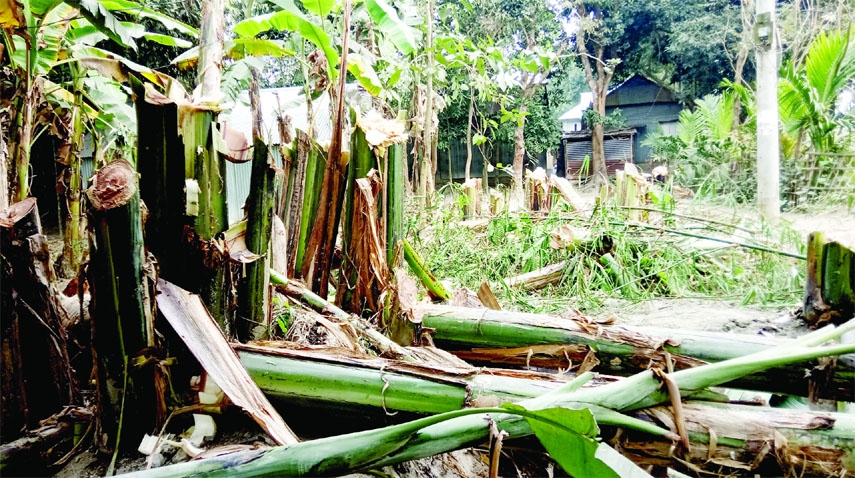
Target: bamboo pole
{"x":254,"y":296}
{"x":523,"y":339}
{"x":121,"y":308}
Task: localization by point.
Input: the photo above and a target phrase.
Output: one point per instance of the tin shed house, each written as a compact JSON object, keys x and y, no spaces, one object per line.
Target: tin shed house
{"x":646,"y":107}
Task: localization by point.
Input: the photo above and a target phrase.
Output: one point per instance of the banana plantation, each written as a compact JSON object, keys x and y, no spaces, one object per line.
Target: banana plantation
{"x":427,"y":238}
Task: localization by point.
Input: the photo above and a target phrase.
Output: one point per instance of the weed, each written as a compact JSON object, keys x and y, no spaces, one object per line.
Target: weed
{"x":618,"y":259}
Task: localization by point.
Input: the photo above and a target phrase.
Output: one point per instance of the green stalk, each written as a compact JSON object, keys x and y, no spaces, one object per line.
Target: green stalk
{"x":484,"y":336}
{"x":459,"y":429}
{"x":73,"y":239}
{"x":394,"y":204}
{"x":434,"y":287}
{"x":120,"y":311}
{"x":254,"y":299}
{"x":315,"y":166}
{"x":362,"y":160}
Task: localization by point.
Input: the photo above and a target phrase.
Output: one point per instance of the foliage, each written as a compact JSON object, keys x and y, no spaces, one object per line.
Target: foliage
{"x":614,"y":120}
{"x":620,"y":260}
{"x":808,"y":95}
{"x":707,"y":155}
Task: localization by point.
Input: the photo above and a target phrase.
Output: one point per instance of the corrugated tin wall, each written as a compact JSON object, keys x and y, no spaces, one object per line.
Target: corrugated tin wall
{"x":617,"y":151}
{"x":237,"y":185}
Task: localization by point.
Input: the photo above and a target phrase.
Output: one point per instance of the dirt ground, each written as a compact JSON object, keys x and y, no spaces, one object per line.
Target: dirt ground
{"x":837,"y":222}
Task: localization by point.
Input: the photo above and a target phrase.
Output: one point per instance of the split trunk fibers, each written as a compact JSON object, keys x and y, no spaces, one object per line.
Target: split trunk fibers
{"x":318,"y":258}
{"x":307,"y":180}
{"x":160,"y":163}
{"x":522,"y":339}
{"x":37,"y":379}
{"x":254,"y":294}
{"x":130,"y":401}
{"x":349,"y":295}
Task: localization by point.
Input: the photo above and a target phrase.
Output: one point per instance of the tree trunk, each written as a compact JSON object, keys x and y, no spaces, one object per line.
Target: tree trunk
{"x":469,"y":133}
{"x":309,"y":180}
{"x":518,"y":196}
{"x":543,"y":341}
{"x":459,"y":429}
{"x":356,"y":267}
{"x":598,"y":79}
{"x":746,"y":6}
{"x":74,"y":240}
{"x":211,"y":36}
{"x":344,"y":380}
{"x":161,"y":169}
{"x":4,"y":169}
{"x":122,"y":309}
{"x":394,"y":204}
{"x":300,"y":376}
{"x":768,"y":154}
{"x":426,"y":184}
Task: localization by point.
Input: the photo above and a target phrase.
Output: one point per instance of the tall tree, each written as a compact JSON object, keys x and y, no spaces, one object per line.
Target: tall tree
{"x":595,"y":49}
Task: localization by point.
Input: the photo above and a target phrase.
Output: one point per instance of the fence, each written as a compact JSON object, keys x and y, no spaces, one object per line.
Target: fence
{"x":830,"y":176}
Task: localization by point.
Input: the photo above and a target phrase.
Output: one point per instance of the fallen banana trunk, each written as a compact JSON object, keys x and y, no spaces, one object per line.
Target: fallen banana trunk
{"x":338,"y":377}
{"x":817,"y":443}
{"x":459,"y":429}
{"x":538,"y":279}
{"x":521,"y":339}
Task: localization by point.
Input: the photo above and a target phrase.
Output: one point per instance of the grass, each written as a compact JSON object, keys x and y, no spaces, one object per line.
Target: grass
{"x":624,"y":259}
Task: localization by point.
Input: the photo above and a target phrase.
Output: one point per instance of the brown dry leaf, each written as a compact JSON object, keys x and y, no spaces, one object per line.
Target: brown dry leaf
{"x":380,"y":132}
{"x":562,"y":237}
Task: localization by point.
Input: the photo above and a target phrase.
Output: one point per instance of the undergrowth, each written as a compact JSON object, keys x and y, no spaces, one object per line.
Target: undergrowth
{"x":621,"y":258}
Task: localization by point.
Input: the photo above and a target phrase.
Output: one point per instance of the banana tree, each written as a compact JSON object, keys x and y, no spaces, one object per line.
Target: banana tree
{"x":44,"y":35}
{"x":318,"y":24}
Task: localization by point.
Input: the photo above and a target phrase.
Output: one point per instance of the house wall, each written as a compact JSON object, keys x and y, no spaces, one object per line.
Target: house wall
{"x":646,"y":119}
